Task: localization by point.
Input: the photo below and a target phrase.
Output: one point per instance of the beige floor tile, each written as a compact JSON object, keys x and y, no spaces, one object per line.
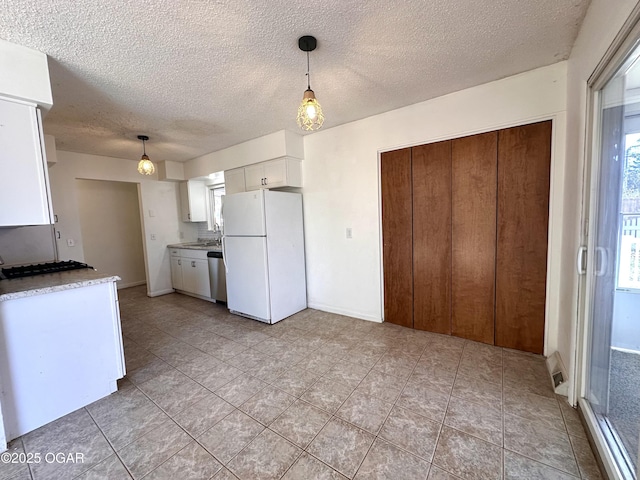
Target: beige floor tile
{"x":364,"y":411}
{"x":191,"y":463}
{"x":412,"y":432}
{"x":300,"y":423}
{"x":110,"y":469}
{"x":385,"y":461}
{"x":226,"y":438}
{"x":267,"y":457}
{"x":267,"y":404}
{"x":204,"y":414}
{"x":466,"y":456}
{"x":341,"y":446}
{"x":150,"y":451}
{"x":475,"y":419}
{"x":425,"y":401}
{"x":517,"y":467}
{"x":308,"y":467}
{"x":327,"y":394}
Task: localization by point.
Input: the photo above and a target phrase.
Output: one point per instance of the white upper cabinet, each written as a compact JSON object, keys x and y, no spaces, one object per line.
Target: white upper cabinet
{"x":193,"y":205}
{"x":25,"y":196}
{"x":282,"y":172}
{"x":234,"y":181}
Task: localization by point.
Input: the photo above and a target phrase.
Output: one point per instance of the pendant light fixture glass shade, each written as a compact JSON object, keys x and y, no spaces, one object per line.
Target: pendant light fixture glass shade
{"x":310,"y":116}
{"x":145,"y":166}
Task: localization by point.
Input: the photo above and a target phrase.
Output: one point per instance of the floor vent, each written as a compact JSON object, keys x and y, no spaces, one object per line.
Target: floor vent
{"x":558,"y":374}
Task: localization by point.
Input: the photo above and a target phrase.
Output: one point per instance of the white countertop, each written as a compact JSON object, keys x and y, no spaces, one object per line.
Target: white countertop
{"x":52,"y":282}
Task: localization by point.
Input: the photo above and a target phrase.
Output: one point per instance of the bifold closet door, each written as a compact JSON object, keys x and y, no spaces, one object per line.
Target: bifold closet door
{"x":395,"y":174}
{"x":473,"y":178}
{"x":432,"y":237}
{"x":524,"y":161}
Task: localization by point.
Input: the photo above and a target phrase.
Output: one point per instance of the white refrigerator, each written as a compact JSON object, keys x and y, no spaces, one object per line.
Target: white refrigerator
{"x":263,"y":251}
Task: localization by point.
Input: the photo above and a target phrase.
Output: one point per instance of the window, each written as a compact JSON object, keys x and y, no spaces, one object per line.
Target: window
{"x":215,"y":207}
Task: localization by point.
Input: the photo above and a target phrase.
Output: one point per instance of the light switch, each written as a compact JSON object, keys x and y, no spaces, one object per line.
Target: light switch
{"x":71,"y":242}
{"x":349,"y":233}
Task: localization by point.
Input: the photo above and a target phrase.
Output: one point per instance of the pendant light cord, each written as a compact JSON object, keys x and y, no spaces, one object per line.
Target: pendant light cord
{"x":144,"y":149}
{"x":308,"y":74}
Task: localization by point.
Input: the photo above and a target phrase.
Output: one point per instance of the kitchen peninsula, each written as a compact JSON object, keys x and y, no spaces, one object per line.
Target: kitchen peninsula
{"x":60,"y":346}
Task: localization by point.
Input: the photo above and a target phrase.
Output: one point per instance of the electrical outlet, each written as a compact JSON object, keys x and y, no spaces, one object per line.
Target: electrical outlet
{"x":349,"y":233}
{"x":153,"y":236}
{"x":71,"y":242}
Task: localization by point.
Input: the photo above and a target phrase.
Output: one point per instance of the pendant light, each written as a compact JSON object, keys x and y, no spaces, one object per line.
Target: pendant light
{"x":310,"y":116}
{"x":145,"y":166}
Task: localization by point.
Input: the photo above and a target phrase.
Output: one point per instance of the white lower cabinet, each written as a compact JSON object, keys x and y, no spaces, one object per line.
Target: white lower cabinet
{"x":190,"y":271}
{"x":195,"y":276}
{"x":176,"y":273}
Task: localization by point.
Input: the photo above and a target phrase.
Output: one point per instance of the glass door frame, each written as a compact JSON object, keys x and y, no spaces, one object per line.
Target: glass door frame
{"x":627,"y":40}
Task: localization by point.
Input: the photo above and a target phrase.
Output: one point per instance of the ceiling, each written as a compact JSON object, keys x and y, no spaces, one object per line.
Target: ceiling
{"x":197,"y":76}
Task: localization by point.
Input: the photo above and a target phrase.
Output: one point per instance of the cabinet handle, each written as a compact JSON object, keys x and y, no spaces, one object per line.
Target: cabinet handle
{"x":58,"y":234}
{"x":55,"y":218}
{"x":266,"y":180}
{"x":179,"y":262}
{"x":189,"y":216}
{"x":193,"y":264}
{"x":262,"y":181}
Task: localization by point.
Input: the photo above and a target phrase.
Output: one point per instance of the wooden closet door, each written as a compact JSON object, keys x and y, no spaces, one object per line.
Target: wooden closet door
{"x":432,"y":237}
{"x":395,"y":174}
{"x":473,"y":178}
{"x":524,"y":161}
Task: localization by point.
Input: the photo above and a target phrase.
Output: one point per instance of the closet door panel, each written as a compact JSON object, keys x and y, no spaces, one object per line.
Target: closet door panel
{"x":395,"y":173}
{"x":524,"y":160}
{"x":432,"y":237}
{"x":474,"y":176}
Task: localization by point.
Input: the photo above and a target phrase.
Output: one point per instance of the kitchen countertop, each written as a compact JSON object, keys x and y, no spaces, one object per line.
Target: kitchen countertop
{"x":192,"y":246}
{"x":51,"y":282}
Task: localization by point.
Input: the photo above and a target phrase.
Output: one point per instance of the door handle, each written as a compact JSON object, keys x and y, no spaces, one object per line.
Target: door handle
{"x":603,"y":261}
{"x":580,"y":260}
{"x":224,"y":255}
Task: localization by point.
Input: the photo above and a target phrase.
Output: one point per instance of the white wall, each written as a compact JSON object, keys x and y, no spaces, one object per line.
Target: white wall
{"x":599,"y":28}
{"x":341,"y":183}
{"x":160,"y":199}
{"x":109,"y":215}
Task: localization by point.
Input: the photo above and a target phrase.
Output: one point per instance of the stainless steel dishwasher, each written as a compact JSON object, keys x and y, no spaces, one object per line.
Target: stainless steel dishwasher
{"x":217,"y":277}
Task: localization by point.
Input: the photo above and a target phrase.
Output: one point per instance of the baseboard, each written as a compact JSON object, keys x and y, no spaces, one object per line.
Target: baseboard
{"x":131,"y":284}
{"x":161,"y":292}
{"x":341,"y":311}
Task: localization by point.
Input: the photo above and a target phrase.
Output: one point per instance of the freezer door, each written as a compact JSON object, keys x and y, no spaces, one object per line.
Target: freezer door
{"x":247,"y":276}
{"x":243,"y":214}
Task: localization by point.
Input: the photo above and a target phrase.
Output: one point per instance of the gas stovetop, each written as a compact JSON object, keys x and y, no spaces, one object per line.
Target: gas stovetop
{"x":41,"y":269}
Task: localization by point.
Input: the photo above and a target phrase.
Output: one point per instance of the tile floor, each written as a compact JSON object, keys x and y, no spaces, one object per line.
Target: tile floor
{"x":316,"y":396}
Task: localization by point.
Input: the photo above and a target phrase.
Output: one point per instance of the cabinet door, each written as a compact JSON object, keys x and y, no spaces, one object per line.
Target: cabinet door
{"x":234,"y":181}
{"x":275,"y":173}
{"x":395,"y":174}
{"x":254,"y":176}
{"x":432,"y":237}
{"x":23,"y":167}
{"x":193,"y":207}
{"x":176,"y":273}
{"x":524,"y":160}
{"x":473,"y":213}
{"x":184,"y":202}
{"x":195,"y":274}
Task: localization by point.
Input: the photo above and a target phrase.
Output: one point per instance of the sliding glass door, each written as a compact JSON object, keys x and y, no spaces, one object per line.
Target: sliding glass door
{"x":611,"y":392}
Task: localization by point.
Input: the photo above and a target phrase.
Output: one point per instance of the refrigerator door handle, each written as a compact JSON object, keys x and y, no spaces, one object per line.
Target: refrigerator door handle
{"x":224,"y":256}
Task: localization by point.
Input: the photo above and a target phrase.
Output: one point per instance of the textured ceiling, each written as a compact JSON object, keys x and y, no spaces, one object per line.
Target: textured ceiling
{"x":201,"y":75}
